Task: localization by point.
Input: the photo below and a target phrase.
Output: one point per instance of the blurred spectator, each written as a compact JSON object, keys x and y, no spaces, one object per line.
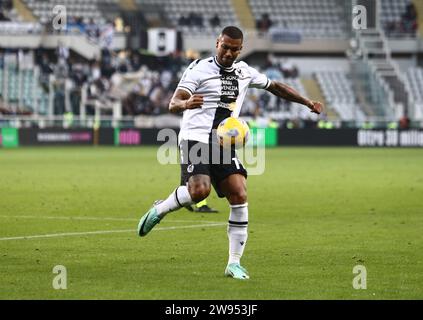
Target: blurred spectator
{"x":408,"y":24}
{"x":46,"y":68}
{"x":215,"y":21}
{"x":118,"y":24}
{"x":166,"y":79}
{"x":78,"y":73}
{"x":62,"y":51}
{"x":135,"y":61}
{"x":273,"y":72}
{"x":98,"y":88}
{"x":3,"y":17}
{"x":61,"y":72}
{"x":264,"y":24}
{"x":75,"y":24}
{"x":404,"y":122}
{"x":95,"y":71}
{"x":5,"y":7}
{"x":1,"y":59}
{"x":92,"y":31}
{"x":157,"y":97}
{"x":409,"y":19}
{"x":107,"y":66}
{"x":183,"y":21}
{"x":107,"y":35}
{"x":195,"y":19}
{"x":288,"y":69}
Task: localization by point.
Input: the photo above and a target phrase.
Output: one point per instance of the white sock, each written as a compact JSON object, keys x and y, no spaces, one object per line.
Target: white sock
{"x":237,"y":231}
{"x":177,"y":199}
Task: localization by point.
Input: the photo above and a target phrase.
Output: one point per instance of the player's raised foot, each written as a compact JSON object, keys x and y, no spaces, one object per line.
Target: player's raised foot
{"x":148,"y":221}
{"x":236,"y":271}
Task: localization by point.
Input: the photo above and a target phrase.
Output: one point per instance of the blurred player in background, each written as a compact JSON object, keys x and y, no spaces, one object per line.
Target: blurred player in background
{"x":201,"y":207}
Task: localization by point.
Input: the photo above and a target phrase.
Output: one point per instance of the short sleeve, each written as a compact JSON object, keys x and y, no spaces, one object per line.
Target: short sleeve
{"x":190,"y":79}
{"x":258,"y":80}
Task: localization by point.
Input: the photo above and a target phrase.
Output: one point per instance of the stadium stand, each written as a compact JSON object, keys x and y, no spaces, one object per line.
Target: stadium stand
{"x":339,"y":95}
{"x":8,"y":12}
{"x":12,"y":23}
{"x":15,"y":28}
{"x":98,"y":10}
{"x":267,"y":105}
{"x":313,"y":19}
{"x":398,"y":18}
{"x":380,"y":76}
{"x":298,"y":111}
{"x":21,"y":89}
{"x":191,"y":16}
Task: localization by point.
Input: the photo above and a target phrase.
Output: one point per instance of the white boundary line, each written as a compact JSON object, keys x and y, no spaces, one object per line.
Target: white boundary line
{"x":69,"y":234}
{"x":97,"y":218}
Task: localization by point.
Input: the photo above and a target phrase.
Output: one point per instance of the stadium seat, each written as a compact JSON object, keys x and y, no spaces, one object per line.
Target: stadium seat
{"x":313,"y":19}
{"x":174,"y":9}
{"x":414,"y":82}
{"x":337,"y":90}
{"x":98,"y":10}
{"x":23,"y":88}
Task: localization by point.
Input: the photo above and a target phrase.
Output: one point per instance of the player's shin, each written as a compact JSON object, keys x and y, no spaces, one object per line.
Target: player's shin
{"x":177,"y":199}
{"x":237,"y":231}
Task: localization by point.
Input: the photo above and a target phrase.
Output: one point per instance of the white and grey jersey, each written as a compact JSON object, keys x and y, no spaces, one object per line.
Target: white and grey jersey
{"x":223,"y":90}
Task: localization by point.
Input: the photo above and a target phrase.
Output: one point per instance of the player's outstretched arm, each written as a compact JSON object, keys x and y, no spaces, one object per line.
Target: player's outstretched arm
{"x":182,"y":101}
{"x":286,"y":92}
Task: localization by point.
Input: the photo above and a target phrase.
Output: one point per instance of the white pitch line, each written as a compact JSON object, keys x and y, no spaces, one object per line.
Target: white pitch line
{"x":69,"y":234}
{"x":96,"y":218}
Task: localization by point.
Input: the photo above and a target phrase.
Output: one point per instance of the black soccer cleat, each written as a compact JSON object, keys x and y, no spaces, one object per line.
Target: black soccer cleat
{"x":205,"y":209}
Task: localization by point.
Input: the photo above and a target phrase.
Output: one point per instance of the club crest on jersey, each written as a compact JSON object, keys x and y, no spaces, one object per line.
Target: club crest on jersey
{"x":239,"y":71}
{"x":190,"y":168}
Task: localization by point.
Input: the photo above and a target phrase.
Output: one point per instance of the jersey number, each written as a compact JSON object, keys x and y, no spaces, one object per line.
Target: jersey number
{"x":236,"y":163}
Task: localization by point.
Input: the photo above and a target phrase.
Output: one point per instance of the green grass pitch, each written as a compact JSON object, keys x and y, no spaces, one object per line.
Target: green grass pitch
{"x":314,"y":214}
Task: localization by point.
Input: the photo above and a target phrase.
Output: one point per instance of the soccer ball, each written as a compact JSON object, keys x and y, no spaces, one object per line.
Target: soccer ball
{"x":233,"y":132}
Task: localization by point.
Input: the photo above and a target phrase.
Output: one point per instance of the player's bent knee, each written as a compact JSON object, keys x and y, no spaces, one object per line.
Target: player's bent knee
{"x":239,"y":197}
{"x":199,"y":193}
{"x":199,"y":188}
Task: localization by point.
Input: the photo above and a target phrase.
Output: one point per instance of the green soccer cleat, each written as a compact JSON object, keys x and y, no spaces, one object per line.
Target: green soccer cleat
{"x":236,"y":271}
{"x":148,"y":221}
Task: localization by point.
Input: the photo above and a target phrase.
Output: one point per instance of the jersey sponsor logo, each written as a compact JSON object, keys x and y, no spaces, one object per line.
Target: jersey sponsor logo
{"x":190,"y":168}
{"x":230,"y":87}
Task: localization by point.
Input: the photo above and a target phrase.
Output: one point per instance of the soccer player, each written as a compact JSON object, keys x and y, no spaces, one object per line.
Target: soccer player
{"x":209,"y":91}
